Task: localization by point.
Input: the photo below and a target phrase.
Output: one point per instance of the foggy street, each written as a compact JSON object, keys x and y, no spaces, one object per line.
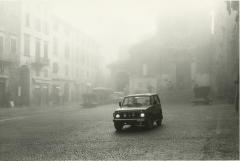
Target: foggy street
{"x":119,"y":80}
{"x":73,"y":132}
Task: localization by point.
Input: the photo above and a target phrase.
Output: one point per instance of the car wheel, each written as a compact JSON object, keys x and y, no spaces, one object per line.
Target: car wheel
{"x":149,"y":124}
{"x":159,"y":122}
{"x":118,"y":126}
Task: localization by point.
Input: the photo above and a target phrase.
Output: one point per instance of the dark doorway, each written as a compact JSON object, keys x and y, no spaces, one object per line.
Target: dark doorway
{"x":2,"y":94}
{"x":37,"y":95}
{"x":45,"y":95}
{"x":183,"y":75}
{"x":66,"y":92}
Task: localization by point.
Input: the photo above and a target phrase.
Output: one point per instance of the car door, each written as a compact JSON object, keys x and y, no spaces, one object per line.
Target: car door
{"x":154,"y":107}
{"x":158,"y":107}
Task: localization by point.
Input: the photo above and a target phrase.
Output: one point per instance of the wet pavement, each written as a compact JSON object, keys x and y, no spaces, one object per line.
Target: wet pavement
{"x":77,"y":133}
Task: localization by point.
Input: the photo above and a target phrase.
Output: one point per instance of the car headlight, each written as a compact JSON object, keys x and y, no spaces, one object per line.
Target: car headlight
{"x":142,"y":115}
{"x":117,"y":116}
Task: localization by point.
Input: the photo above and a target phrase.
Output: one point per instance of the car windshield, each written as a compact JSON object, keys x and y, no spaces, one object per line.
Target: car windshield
{"x":134,"y":101}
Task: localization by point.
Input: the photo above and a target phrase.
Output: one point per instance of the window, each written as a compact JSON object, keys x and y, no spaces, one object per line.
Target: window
{"x":46,"y":50}
{"x":26,"y":45}
{"x":27,"y":20}
{"x":55,"y":68}
{"x":77,"y":54}
{"x":134,"y":101}
{"x":66,"y":32}
{"x":67,"y":50}
{"x":38,"y":73}
{"x":45,"y":73}
{"x":86,"y":59}
{"x":156,"y":99}
{"x":77,"y":73}
{"x":82,"y":58}
{"x":13,"y":46}
{"x":1,"y":45}
{"x":2,"y":68}
{"x":151,"y":100}
{"x":45,"y":28}
{"x":76,"y":57}
{"x":66,"y":70}
{"x":38,"y":24}
{"x":55,"y":26}
{"x":55,"y":46}
{"x":37,"y":48}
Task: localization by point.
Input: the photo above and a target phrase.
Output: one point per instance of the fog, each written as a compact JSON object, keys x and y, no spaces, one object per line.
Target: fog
{"x":128,"y":46}
{"x":116,"y":25}
{"x":119,"y":80}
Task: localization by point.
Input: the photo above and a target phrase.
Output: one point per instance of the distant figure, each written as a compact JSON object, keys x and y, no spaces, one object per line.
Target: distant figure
{"x":8,"y":99}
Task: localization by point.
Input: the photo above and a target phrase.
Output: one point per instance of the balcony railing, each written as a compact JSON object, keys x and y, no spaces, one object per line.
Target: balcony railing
{"x":40,"y":61}
{"x":8,"y":58}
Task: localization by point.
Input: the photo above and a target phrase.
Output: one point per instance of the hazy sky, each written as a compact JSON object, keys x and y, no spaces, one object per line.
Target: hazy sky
{"x":116,"y":24}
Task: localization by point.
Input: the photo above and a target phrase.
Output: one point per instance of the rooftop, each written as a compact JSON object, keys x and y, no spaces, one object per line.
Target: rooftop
{"x":142,"y":94}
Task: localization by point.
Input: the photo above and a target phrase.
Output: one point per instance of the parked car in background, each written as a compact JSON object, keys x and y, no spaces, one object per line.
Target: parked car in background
{"x":98,"y":96}
{"x":103,"y":95}
{"x":89,"y":100}
{"x":201,"y":95}
{"x":140,"y":110}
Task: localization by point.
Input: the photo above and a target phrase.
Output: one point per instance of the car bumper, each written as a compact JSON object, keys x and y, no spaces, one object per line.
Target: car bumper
{"x":140,"y":121}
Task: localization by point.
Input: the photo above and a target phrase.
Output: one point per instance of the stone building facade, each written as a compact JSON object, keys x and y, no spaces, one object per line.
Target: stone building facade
{"x":43,"y":59}
{"x":207,"y":54}
{"x":225,"y":38}
{"x":9,"y":49}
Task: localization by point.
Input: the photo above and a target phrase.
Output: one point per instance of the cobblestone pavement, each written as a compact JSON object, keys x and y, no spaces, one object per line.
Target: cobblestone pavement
{"x":76,"y":133}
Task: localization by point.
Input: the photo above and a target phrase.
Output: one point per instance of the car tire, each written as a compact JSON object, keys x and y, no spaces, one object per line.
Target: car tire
{"x":159,"y":122}
{"x":118,"y":126}
{"x":149,"y":124}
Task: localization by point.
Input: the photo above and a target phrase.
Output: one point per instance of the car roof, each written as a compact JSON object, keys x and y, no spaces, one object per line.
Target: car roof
{"x":142,"y":94}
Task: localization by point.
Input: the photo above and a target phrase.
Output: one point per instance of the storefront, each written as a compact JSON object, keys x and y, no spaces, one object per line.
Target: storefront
{"x":3,"y":94}
{"x":40,"y":92}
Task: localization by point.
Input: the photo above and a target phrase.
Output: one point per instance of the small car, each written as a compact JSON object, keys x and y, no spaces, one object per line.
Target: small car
{"x":138,"y":110}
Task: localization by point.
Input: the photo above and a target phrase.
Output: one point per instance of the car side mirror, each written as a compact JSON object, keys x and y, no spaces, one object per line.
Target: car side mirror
{"x":120,"y":104}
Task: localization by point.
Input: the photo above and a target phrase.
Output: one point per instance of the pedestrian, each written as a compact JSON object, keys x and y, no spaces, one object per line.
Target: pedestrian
{"x":8,"y":100}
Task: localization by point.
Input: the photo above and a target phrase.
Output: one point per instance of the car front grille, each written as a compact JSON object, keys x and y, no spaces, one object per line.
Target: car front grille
{"x":129,"y":115}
